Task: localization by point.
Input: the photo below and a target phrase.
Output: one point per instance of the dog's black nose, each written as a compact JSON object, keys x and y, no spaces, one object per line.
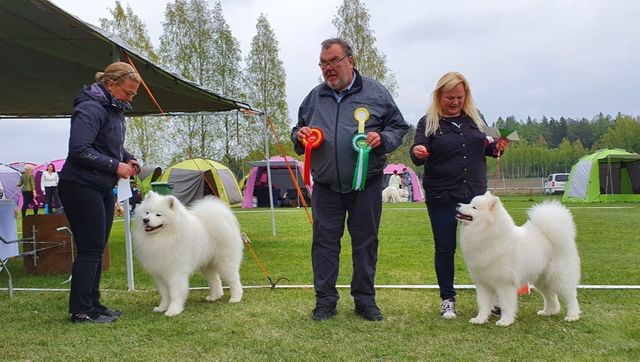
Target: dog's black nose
{"x":459,"y":204}
{"x":145,"y":220}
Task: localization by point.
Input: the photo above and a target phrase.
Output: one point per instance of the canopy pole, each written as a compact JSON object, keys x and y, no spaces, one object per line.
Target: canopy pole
{"x":270,"y":191}
{"x":127,"y":216}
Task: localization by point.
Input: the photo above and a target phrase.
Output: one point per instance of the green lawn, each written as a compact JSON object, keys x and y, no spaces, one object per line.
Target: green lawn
{"x":275,"y":324}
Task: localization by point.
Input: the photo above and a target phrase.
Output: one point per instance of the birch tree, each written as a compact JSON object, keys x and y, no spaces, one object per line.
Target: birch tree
{"x":352,"y":25}
{"x":187,"y":46}
{"x":144,"y":134}
{"x":265,"y":79}
{"x":227,"y":80}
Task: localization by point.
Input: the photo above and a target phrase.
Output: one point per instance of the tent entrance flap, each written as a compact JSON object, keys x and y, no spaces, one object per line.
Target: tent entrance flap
{"x":188,"y":185}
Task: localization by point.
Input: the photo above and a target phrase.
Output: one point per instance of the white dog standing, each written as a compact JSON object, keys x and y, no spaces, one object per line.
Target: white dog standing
{"x":502,"y":256}
{"x":173,"y":242}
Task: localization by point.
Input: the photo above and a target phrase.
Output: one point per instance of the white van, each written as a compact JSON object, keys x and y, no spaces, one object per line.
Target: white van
{"x":555,"y":183}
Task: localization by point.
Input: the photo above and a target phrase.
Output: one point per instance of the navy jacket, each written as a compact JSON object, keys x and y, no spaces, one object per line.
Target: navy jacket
{"x":456,"y":163}
{"x":333,"y":163}
{"x":96,"y":139}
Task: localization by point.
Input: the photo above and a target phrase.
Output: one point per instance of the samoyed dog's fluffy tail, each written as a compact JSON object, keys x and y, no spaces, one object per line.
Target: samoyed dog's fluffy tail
{"x":502,"y":256}
{"x":173,"y":242}
{"x":556,"y":222}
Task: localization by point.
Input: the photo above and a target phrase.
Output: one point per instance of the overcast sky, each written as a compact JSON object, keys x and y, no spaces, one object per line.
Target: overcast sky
{"x":522,"y":58}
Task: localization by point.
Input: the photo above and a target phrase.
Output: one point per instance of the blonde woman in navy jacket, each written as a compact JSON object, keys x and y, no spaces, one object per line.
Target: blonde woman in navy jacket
{"x":96,"y":160}
{"x":451,"y":144}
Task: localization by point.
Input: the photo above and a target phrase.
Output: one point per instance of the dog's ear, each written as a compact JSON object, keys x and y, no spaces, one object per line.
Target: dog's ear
{"x":171,"y":201}
{"x":488,"y":193}
{"x":149,"y":195}
{"x":494,"y":201}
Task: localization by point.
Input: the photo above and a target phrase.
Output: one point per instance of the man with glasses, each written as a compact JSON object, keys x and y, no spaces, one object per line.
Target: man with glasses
{"x":360,"y":124}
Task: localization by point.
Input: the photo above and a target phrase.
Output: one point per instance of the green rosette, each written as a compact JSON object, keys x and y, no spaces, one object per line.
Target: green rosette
{"x":359,"y":143}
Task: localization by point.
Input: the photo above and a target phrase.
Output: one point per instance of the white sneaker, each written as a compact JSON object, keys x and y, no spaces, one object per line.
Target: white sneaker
{"x":448,"y":308}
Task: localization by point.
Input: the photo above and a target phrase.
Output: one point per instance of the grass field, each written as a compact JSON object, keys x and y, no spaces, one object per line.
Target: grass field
{"x":275,"y":324}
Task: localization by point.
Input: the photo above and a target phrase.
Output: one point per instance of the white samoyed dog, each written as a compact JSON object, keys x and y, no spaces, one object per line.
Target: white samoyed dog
{"x":173,"y":242}
{"x":394,"y":194}
{"x":501,"y":256}
{"x":391,"y":194}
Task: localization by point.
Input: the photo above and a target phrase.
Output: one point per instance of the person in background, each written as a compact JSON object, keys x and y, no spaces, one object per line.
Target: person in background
{"x":49,"y":186}
{"x":331,"y":107}
{"x":96,"y":160}
{"x":451,"y":144}
{"x":406,"y":183}
{"x":28,"y":184}
{"x":395,"y":180}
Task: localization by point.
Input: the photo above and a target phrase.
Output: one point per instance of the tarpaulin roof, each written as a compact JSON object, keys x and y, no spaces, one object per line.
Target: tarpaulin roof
{"x":47,"y":54}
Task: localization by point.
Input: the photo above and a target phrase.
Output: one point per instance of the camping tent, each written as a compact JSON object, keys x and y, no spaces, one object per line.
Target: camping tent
{"x":416,"y":190}
{"x":195,"y":178}
{"x":256,"y":183}
{"x":147,"y":175}
{"x":605,"y":175}
{"x":20,"y":165}
{"x":9,"y":178}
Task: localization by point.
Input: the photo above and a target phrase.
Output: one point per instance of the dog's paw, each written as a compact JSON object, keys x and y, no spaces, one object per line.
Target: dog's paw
{"x":504,"y":322}
{"x":477,"y":320}
{"x":545,"y":313}
{"x":235,"y":300}
{"x":173,"y":312}
{"x":159,"y":309}
{"x":572,"y":318}
{"x":213,"y":298}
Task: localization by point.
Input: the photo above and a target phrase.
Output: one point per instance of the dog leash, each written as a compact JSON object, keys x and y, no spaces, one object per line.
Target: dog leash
{"x":249,"y":245}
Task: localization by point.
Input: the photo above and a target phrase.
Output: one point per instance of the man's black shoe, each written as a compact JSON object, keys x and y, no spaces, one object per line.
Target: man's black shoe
{"x":108,"y":311}
{"x":323,"y":312}
{"x":91,"y":318}
{"x":369,"y":312}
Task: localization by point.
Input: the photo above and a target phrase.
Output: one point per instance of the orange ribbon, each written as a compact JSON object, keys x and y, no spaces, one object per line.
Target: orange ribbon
{"x":311,"y":141}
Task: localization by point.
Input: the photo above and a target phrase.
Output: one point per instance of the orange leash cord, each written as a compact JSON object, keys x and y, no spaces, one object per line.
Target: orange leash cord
{"x":293,"y":178}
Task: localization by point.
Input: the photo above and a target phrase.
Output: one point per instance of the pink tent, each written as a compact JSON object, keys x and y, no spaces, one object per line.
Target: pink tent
{"x":37,"y":173}
{"x":405,"y":172}
{"x":19,"y":165}
{"x":9,"y":178}
{"x":280,"y":180}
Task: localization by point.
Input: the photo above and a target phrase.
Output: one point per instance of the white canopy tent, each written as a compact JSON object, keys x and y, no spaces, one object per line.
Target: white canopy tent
{"x":47,"y":54}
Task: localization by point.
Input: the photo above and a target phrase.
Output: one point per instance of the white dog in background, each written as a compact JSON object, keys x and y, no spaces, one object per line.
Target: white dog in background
{"x":394,"y":194}
{"x":502,"y":256}
{"x":173,"y":242}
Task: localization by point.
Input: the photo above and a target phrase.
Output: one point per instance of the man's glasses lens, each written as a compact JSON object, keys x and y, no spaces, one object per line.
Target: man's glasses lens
{"x":332,"y":63}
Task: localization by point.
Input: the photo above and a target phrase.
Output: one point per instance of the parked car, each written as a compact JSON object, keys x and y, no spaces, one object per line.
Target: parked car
{"x":555,"y":183}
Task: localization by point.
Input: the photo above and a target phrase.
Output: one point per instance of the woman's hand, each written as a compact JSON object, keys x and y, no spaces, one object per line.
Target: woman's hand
{"x":135,"y":167}
{"x":125,"y":170}
{"x":420,"y":152}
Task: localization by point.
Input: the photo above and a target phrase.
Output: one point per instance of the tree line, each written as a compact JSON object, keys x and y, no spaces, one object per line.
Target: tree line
{"x":549,"y":145}
{"x":198,"y":44}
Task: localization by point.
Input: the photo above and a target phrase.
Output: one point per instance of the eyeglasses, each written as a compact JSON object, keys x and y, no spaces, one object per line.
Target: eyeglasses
{"x":333,"y":63}
{"x":128,"y":92}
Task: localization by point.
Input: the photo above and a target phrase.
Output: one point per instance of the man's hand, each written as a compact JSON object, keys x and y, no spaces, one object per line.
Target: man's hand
{"x":373,"y":139}
{"x":303,"y":132}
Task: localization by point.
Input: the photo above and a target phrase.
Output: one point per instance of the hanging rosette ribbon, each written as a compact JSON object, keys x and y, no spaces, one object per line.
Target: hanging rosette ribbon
{"x":311,"y":141}
{"x":359,"y":143}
